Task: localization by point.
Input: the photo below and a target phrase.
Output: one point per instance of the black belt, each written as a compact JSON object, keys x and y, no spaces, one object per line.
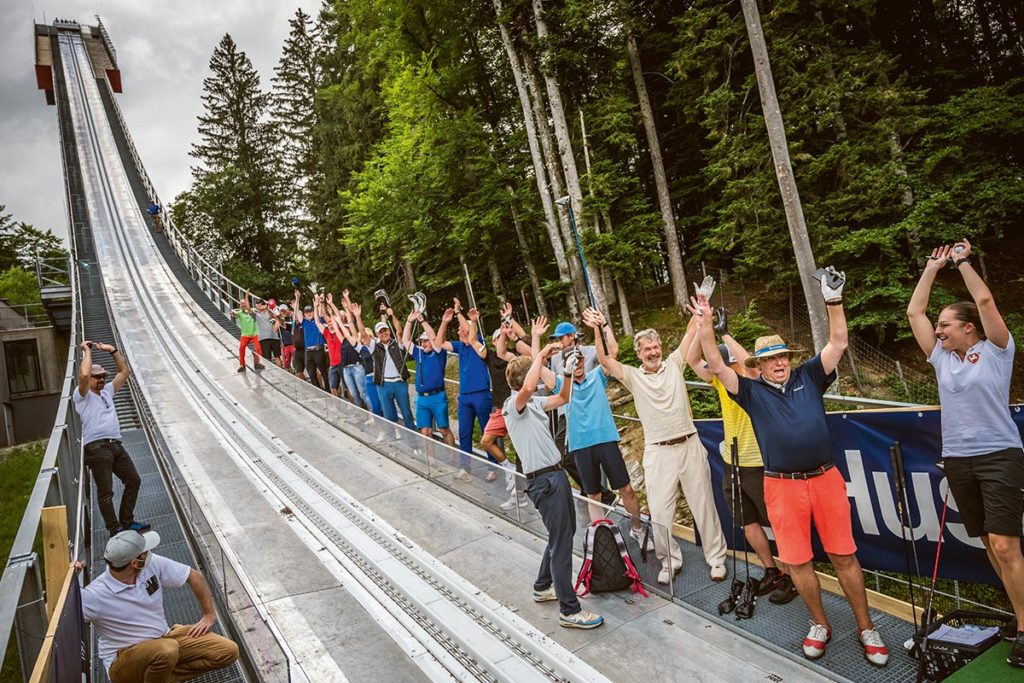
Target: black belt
{"x":674,"y":442}
{"x":430,"y":393}
{"x":314,"y":348}
{"x":100,"y":442}
{"x":543,"y":471}
{"x":811,"y":474}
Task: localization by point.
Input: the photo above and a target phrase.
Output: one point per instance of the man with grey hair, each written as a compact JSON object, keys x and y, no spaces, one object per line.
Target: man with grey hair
{"x":674,"y":456}
{"x":101,"y":438}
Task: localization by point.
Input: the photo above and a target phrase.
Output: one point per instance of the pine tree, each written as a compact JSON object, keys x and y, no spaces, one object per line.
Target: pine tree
{"x":235,"y":179}
{"x":296,"y":83}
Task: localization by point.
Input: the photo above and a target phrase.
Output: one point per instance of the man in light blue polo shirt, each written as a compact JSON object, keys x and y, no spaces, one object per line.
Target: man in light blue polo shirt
{"x":431,"y":397}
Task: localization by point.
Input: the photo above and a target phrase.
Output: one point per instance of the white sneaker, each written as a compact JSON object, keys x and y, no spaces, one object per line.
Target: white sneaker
{"x":666,"y":575}
{"x":816,"y":640}
{"x":638,"y":535}
{"x":718,"y":572}
{"x":546,"y":595}
{"x":522,"y":500}
{"x":492,"y":475}
{"x":875,"y":650}
{"x":463,"y":475}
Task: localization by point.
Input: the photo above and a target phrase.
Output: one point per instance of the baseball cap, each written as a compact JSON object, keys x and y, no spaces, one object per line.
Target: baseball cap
{"x":97,"y":370}
{"x":423,"y":335}
{"x":380,"y":326}
{"x":284,"y":307}
{"x":307,"y":309}
{"x":124,"y":547}
{"x":562,"y":329}
{"x":272,"y":302}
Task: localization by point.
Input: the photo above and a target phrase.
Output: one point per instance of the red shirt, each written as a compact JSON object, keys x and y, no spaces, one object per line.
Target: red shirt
{"x":333,"y":346}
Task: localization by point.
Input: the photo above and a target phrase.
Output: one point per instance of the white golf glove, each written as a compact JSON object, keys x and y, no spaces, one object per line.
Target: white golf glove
{"x":570,"y":364}
{"x":832,"y":282}
{"x":706,"y":287}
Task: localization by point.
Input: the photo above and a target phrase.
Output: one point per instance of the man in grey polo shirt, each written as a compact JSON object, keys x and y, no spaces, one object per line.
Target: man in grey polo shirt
{"x":547,"y":485}
{"x":126,"y":606}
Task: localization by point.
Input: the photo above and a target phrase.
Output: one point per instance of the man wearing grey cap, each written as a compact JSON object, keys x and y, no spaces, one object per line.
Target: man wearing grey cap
{"x":126,"y":606}
{"x":101,"y":438}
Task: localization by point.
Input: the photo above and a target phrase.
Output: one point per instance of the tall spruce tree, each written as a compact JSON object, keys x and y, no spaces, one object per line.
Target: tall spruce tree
{"x":236,"y":176}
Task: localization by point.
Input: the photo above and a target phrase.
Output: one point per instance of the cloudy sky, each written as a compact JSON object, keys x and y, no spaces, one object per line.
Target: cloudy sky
{"x":163,"y":51}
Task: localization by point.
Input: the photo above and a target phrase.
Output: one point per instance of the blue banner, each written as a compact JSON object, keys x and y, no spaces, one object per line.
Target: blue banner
{"x":860,"y":446}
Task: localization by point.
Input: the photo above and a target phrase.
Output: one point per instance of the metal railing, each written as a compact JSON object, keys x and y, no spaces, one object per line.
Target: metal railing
{"x":22,"y":596}
{"x":23,"y":317}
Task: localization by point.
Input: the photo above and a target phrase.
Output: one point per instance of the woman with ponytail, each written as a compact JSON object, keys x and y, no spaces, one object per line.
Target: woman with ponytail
{"x":972,"y":350}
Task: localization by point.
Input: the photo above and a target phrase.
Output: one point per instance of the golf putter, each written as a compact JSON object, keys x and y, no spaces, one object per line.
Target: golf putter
{"x":736,"y":588}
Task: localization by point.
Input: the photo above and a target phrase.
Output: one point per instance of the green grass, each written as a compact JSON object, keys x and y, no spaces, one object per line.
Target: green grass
{"x":19,"y":467}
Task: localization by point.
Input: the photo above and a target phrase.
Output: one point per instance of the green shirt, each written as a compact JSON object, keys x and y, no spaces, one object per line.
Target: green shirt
{"x":247,"y":322}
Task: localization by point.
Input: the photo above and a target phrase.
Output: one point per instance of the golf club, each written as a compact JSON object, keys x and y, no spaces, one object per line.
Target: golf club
{"x":565,"y":201}
{"x":736,"y":588}
{"x":926,"y":618}
{"x":899,"y":492}
{"x":745,"y":608}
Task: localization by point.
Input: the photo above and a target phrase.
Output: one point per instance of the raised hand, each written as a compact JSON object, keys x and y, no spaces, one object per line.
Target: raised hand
{"x":961,"y":249}
{"x":551,"y":349}
{"x":571,"y":363}
{"x":473,"y":314}
{"x":506,"y":310}
{"x":355,"y":309}
{"x":456,"y":305}
{"x":413,"y":316}
{"x":721,"y":321}
{"x":448,"y":315}
{"x":330,"y":298}
{"x":939,"y":257}
{"x":700,"y":309}
{"x":540,"y":327}
{"x":832,"y":282}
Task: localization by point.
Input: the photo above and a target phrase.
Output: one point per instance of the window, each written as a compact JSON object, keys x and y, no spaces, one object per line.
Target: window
{"x":22,"y":366}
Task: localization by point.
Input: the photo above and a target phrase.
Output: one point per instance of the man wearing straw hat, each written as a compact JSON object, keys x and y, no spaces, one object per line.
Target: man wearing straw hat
{"x":802,"y":486}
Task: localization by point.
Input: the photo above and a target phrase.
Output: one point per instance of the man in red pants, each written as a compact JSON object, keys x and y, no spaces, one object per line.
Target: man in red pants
{"x":250,"y":334}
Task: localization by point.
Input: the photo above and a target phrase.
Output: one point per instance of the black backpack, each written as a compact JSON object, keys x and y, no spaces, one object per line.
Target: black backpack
{"x":606,"y":564}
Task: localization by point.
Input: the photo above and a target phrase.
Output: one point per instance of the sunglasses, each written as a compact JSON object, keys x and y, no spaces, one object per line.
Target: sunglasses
{"x":101,"y":378}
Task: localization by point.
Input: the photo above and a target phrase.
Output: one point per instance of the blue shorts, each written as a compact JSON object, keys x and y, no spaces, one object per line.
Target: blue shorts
{"x":592,"y":459}
{"x":432,"y":410}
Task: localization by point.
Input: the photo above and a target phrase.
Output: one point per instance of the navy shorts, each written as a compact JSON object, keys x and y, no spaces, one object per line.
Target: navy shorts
{"x":592,"y":459}
{"x":334,"y":376}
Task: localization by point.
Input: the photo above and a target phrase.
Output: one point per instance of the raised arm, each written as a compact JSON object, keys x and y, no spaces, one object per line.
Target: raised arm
{"x":832,"y":283}
{"x":703,"y":327}
{"x":562,"y":397}
{"x":85,"y":368}
{"x":735,"y":348}
{"x":439,"y":341}
{"x":501,"y":343}
{"x":318,"y":312}
{"x":594,"y":319}
{"x":474,"y":338}
{"x":525,"y":393}
{"x":917,"y":309}
{"x":695,"y":359}
{"x":995,"y":327}
{"x":506,"y":316}
{"x":407,"y":330}
{"x":356,"y":311}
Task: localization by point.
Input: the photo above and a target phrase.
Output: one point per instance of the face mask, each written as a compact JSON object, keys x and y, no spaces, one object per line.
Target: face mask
{"x":143,"y":561}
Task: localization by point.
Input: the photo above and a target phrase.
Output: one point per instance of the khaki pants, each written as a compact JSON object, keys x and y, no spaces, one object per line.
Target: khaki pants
{"x":666,"y":469}
{"x":175,"y":657}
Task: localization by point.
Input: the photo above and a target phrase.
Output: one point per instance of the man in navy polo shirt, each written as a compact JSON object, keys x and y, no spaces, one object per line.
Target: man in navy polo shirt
{"x":474,"y":381}
{"x":802,"y":487}
{"x":315,"y":357}
{"x":431,"y":397}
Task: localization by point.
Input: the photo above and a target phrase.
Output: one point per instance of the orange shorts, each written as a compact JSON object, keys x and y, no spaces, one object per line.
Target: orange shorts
{"x":496,"y":424}
{"x":794,"y":504}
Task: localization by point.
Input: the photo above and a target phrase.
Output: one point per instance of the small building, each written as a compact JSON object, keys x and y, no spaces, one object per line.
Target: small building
{"x":33,"y":356}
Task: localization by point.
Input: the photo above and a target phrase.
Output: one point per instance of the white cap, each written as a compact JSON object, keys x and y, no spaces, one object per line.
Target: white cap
{"x":380,"y":326}
{"x":124,"y":547}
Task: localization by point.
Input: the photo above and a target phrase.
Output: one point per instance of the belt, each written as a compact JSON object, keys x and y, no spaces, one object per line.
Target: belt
{"x":674,"y":442}
{"x":314,"y":348}
{"x":394,"y":379}
{"x":811,"y":474}
{"x":352,"y":365}
{"x":542,"y":471}
{"x":430,"y":393}
{"x":100,"y":442}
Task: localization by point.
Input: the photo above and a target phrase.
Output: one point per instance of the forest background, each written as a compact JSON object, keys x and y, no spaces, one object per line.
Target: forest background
{"x":406,"y":144}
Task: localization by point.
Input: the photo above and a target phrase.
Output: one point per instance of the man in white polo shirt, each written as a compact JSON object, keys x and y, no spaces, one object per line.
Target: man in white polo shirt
{"x":126,"y":606}
{"x":101,"y":438}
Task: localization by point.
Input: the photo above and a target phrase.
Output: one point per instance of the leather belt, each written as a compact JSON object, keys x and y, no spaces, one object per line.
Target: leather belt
{"x":542,"y":471}
{"x":430,"y":393}
{"x":100,"y":442}
{"x":811,"y":474}
{"x":674,"y":442}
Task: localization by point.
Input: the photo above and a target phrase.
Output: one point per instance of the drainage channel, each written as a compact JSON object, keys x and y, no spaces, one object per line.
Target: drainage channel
{"x":469,"y":638}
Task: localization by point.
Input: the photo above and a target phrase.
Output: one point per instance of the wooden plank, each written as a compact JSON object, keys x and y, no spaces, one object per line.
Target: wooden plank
{"x":54,"y":522}
{"x":41,"y":670}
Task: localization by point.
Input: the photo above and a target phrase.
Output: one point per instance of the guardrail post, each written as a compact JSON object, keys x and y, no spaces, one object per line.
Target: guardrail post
{"x":30,"y":619}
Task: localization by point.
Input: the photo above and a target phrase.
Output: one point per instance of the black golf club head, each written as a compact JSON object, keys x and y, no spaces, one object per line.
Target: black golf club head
{"x":745,"y":608}
{"x":381,"y":297}
{"x":729,"y":604}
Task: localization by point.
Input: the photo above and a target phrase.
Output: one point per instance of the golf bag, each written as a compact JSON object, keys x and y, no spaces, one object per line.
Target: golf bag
{"x":606,"y":564}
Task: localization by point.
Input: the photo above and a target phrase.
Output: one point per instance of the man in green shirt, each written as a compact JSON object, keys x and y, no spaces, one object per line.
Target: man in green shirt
{"x":247,"y":324}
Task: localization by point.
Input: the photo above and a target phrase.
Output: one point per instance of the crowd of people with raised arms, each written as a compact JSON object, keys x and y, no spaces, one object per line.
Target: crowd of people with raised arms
{"x":546,"y":392}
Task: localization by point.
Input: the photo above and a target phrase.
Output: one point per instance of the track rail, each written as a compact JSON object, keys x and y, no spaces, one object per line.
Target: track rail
{"x":461,"y":633}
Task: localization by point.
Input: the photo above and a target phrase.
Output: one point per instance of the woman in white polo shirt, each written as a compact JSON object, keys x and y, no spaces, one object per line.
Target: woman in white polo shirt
{"x":972,"y":351}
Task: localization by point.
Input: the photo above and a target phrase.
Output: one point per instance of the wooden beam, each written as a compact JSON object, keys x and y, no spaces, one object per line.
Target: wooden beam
{"x":54,"y":521}
{"x":41,"y":671}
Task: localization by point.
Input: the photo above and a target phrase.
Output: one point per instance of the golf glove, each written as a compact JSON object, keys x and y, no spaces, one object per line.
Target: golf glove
{"x":832,"y":282}
{"x":721,"y":321}
{"x":571,"y":363}
{"x":706,"y":287}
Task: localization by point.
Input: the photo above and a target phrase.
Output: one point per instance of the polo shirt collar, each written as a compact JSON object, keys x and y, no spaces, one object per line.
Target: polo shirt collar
{"x":117,"y":586}
{"x":661,"y":368}
{"x":779,"y":387}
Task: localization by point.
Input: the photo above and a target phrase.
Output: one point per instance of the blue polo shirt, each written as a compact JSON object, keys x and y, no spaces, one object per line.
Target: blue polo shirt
{"x":473,"y":373}
{"x":590,"y":420}
{"x":311,"y":333}
{"x":429,"y":369}
{"x":790,"y":425}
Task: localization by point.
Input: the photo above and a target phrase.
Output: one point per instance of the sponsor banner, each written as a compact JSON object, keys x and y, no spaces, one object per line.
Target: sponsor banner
{"x":860,"y":446}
